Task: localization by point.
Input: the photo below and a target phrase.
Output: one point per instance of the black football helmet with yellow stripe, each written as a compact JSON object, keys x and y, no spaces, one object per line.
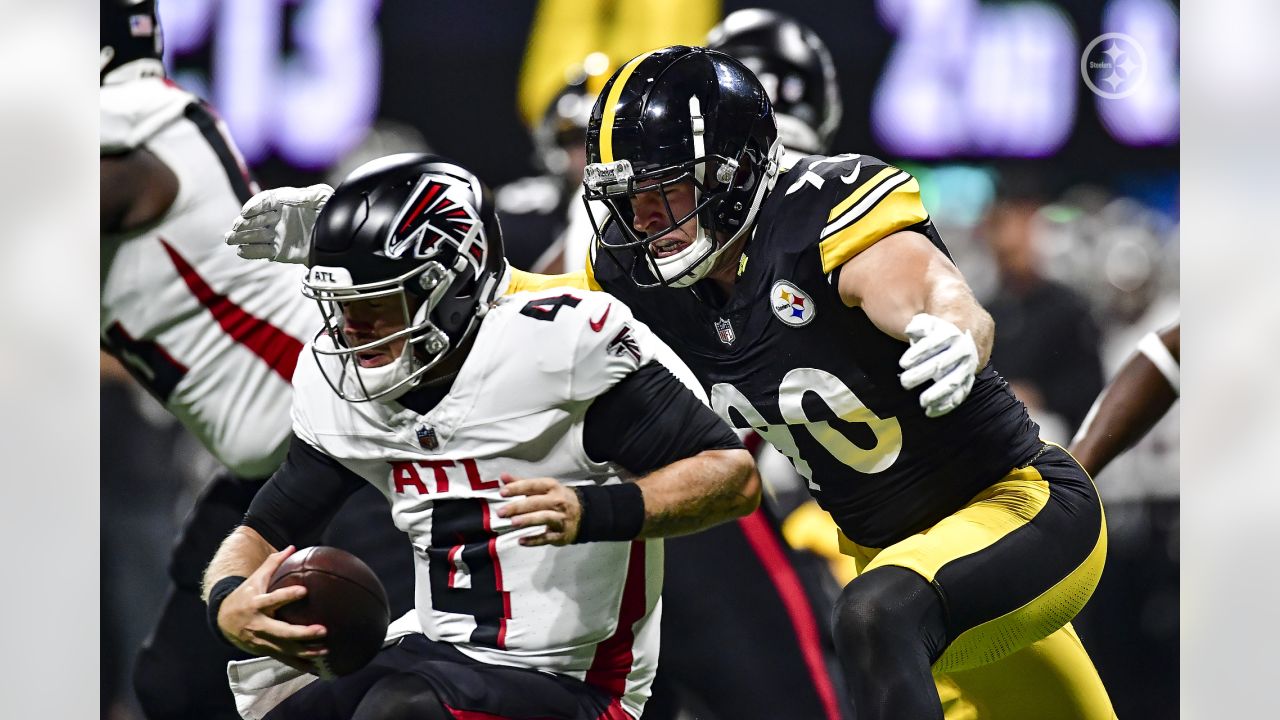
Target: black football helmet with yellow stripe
{"x":676,"y":115}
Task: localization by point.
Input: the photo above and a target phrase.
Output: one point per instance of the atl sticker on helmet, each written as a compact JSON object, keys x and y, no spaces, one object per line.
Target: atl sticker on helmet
{"x":792,"y":305}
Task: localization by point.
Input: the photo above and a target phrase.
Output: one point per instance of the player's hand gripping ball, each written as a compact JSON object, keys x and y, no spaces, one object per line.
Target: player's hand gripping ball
{"x":344,"y":596}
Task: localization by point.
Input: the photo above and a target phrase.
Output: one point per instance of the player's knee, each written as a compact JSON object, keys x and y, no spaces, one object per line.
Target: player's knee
{"x":888,"y":605}
{"x":403,"y":696}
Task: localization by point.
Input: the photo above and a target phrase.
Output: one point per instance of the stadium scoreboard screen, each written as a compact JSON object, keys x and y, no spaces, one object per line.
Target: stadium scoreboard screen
{"x":300,"y":82}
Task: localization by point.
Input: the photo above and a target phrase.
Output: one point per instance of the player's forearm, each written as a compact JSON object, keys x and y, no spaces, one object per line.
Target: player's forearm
{"x":1134,"y":401}
{"x":692,"y":494}
{"x":242,"y":552}
{"x":952,"y":300}
{"x":904,"y":275}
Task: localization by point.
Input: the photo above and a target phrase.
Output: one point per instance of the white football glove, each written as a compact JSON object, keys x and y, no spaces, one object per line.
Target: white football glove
{"x":939,"y":352}
{"x":276,"y":224}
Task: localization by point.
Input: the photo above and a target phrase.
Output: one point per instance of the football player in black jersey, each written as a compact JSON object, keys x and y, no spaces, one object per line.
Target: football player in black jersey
{"x":784,"y":667}
{"x":819,"y":307}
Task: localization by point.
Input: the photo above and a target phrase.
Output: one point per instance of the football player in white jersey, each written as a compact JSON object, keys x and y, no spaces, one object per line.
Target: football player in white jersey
{"x":1141,"y":392}
{"x":532,"y":445}
{"x":213,"y":337}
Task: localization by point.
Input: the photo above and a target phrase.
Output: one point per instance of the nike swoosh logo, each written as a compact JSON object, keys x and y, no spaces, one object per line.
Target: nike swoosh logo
{"x":598,"y":325}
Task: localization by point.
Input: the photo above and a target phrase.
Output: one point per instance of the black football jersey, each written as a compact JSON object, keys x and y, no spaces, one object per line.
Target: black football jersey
{"x":785,"y":357}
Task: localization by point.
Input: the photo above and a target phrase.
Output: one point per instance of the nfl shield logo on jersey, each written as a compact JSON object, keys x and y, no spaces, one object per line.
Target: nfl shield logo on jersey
{"x":427,"y":437}
{"x":725,"y":330}
{"x":792,"y":306}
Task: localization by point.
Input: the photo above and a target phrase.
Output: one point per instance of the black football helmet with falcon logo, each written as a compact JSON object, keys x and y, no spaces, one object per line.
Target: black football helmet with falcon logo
{"x":670,"y":116}
{"x":419,"y":230}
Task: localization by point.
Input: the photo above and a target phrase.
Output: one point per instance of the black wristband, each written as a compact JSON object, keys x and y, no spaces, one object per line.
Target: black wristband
{"x":610,"y":512}
{"x":220,"y":591}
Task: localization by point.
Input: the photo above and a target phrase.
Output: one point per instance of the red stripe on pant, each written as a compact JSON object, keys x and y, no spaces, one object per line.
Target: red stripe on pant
{"x":277,"y":348}
{"x":473,"y":714}
{"x":769,"y":549}
{"x":612,"y":661}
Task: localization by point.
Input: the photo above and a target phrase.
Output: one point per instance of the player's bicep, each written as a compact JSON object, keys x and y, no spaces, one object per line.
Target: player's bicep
{"x":650,"y":419}
{"x":896,"y":278}
{"x":301,"y":496}
{"x":136,"y":189}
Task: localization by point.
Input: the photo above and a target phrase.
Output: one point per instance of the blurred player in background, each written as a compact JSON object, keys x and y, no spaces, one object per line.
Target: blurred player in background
{"x":796,"y":70}
{"x":1140,"y":394}
{"x":562,"y":438}
{"x":544,"y":216}
{"x":751,"y":270}
{"x":214,"y":338}
{"x":1048,"y":347}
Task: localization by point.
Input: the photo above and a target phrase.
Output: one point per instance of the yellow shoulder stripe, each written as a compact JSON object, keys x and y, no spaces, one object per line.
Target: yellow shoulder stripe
{"x":894,"y":206}
{"x":522,"y":281}
{"x":860,"y":192}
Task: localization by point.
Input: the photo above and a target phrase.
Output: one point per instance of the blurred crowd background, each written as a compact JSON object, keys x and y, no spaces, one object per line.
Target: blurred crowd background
{"x":1061,"y":206}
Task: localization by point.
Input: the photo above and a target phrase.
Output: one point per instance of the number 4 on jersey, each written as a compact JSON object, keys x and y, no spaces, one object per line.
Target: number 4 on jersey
{"x":548,"y":307}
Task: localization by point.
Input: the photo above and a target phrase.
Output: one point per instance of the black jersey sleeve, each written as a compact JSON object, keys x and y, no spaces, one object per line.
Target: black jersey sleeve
{"x":649,"y":419}
{"x":301,"y":497}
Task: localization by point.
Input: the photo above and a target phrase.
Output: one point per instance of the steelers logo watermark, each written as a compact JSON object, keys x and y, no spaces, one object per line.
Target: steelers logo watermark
{"x":792,"y":306}
{"x":1113,"y":65}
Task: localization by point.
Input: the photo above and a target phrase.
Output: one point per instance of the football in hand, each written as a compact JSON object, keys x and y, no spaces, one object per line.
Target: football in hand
{"x":344,"y":596}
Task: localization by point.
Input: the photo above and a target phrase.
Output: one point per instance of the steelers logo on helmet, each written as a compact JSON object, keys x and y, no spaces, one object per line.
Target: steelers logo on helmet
{"x":792,"y":305}
{"x":439,"y":210}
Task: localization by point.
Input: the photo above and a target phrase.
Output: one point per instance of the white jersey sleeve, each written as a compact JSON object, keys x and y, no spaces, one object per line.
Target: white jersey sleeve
{"x":214,"y":337}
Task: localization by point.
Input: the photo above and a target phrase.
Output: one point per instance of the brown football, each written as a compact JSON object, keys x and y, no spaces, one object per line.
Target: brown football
{"x":343,"y":595}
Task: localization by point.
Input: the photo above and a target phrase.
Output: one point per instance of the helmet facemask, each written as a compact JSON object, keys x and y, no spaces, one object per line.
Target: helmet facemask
{"x":418,"y":293}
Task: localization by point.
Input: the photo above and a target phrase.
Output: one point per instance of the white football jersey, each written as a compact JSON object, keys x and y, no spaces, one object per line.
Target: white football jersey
{"x":214,"y":337}
{"x":517,"y":406}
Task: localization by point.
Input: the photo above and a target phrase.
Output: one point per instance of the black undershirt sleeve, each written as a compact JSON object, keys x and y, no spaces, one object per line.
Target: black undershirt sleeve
{"x":649,"y":420}
{"x":301,"y":497}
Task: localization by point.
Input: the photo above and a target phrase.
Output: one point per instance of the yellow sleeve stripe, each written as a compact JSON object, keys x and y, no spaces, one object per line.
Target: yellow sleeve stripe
{"x":611,"y":105}
{"x":868,"y":200}
{"x":860,"y":191}
{"x":522,"y":281}
{"x":900,"y":209}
